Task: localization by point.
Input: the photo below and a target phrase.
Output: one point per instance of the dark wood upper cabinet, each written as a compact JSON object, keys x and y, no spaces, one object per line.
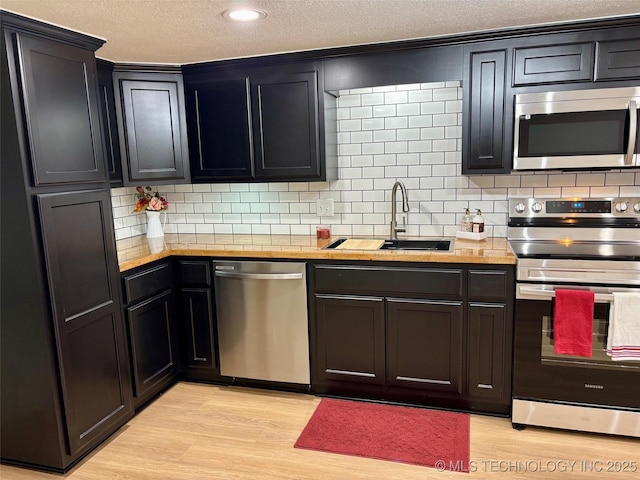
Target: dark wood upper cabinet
{"x":107,"y":104}
{"x":152,"y":127}
{"x":219,"y":123}
{"x":79,"y":245}
{"x":286,"y":125}
{"x":259,"y":124}
{"x":553,"y":64}
{"x":60,"y":101}
{"x":617,"y":59}
{"x":484,"y":115}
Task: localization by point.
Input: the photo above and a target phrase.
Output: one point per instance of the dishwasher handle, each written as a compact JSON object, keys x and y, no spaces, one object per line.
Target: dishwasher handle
{"x":260,"y":276}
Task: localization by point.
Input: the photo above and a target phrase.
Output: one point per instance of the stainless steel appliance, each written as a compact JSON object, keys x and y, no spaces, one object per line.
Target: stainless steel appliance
{"x":577,"y":129}
{"x":262,"y":320}
{"x":583,"y":244}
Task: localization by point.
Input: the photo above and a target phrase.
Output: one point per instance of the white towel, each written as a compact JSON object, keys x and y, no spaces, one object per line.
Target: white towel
{"x":623,"y":339}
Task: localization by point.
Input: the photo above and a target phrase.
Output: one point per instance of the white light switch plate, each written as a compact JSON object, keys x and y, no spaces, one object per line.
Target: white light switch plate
{"x":324,"y":207}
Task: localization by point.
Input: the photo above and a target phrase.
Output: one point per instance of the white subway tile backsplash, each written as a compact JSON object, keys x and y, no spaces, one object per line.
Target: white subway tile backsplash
{"x":370,"y":99}
{"x":395,"y":97}
{"x":411,"y":133}
{"x":408,"y":109}
{"x":358,"y":137}
{"x":395,"y":147}
{"x":431,"y":108}
{"x":384,"y":111}
{"x":372,"y":124}
{"x":391,"y":123}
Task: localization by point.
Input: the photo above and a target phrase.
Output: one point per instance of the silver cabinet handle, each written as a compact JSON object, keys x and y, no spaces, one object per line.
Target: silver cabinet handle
{"x":633,"y":132}
{"x":260,"y":276}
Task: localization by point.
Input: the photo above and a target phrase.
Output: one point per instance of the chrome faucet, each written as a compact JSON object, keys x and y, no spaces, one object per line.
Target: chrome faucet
{"x":405,"y":208}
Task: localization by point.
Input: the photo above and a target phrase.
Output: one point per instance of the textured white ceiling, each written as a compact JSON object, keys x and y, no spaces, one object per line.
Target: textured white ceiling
{"x":184,"y":31}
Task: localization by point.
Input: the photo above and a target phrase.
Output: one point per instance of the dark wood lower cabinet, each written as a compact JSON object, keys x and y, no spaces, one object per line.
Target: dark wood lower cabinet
{"x":489,"y":351}
{"x":86,"y":312}
{"x":425,"y":344}
{"x":198,"y":319}
{"x":198,"y":325}
{"x":374,"y":336}
{"x":152,"y":327}
{"x":351,"y":339}
{"x":153,"y":343}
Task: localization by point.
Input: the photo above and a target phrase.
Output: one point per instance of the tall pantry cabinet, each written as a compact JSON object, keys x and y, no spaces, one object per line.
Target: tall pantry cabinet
{"x":65,"y":379}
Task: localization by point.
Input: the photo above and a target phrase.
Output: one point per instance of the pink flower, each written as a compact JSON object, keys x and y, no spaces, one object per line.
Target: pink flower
{"x":155,"y":204}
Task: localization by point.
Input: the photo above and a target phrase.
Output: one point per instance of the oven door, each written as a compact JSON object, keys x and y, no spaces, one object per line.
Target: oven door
{"x":540,"y":374}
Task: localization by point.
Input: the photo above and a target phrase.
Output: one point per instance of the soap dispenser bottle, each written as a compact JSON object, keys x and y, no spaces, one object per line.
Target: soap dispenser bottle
{"x":466,"y":221}
{"x":478,"y":222}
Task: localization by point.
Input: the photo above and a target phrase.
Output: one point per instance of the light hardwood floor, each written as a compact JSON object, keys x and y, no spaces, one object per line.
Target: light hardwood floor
{"x":198,"y":432}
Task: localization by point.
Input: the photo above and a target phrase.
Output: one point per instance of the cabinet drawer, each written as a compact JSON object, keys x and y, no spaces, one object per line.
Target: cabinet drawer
{"x":551,"y":64}
{"x":488,"y":284}
{"x":147,"y":282}
{"x":442,"y":283}
{"x":195,"y":273}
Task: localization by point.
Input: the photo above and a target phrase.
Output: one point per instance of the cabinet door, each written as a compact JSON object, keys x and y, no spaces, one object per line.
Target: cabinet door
{"x":553,"y":64}
{"x":425,"y":344}
{"x":483,"y":113}
{"x":80,"y":254}
{"x":61,"y":112}
{"x":218,"y":119}
{"x":350,"y":339}
{"x":286,"y":125}
{"x":152,"y":128}
{"x":153,"y":344}
{"x":489,"y":347}
{"x":198,"y":327}
{"x":107,"y":106}
{"x":618,"y":60}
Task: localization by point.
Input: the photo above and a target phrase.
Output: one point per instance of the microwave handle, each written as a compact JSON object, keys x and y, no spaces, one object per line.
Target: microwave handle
{"x":633,"y":132}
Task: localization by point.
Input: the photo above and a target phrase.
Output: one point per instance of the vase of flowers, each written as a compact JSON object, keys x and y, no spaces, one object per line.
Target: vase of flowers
{"x":153,"y":204}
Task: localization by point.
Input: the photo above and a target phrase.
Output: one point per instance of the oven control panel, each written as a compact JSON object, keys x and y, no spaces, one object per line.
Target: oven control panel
{"x":575,"y":207}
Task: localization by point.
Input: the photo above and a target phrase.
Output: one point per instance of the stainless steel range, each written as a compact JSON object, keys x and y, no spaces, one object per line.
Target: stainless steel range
{"x":574,"y":244}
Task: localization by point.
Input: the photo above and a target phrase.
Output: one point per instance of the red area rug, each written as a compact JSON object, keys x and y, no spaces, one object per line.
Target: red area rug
{"x":418,"y":436}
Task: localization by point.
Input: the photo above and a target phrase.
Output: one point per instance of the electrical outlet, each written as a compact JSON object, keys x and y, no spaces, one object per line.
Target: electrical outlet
{"x":324,"y":207}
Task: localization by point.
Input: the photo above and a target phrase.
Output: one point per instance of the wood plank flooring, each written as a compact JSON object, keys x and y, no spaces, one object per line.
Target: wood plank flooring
{"x":197,"y":431}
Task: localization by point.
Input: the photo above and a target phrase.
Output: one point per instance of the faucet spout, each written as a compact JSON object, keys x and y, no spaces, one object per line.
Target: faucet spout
{"x":405,"y":208}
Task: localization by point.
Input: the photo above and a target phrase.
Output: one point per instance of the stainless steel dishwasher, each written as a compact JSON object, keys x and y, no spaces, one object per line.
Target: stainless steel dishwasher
{"x":263,"y":329}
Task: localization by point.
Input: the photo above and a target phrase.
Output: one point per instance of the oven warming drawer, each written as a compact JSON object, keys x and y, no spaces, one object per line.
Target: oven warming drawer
{"x":576,"y":417}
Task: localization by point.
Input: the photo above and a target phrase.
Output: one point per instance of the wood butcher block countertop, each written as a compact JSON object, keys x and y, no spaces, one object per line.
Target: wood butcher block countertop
{"x":136,"y":251}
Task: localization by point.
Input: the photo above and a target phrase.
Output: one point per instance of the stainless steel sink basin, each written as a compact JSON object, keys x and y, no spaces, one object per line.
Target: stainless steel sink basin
{"x":440,"y":245}
{"x":435,"y":245}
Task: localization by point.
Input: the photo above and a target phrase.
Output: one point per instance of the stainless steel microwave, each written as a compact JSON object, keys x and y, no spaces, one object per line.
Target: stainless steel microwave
{"x":577,"y":129}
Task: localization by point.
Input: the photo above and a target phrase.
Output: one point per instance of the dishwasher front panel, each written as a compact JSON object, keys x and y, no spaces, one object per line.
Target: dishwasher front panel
{"x":263,"y":329}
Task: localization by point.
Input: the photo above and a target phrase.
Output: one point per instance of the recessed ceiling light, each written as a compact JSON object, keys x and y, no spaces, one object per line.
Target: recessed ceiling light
{"x":244,"y":15}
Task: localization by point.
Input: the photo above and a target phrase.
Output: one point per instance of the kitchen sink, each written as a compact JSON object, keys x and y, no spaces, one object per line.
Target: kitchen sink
{"x":435,"y":245}
{"x":440,"y":245}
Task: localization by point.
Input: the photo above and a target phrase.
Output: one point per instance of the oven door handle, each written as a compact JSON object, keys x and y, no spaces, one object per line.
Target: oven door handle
{"x":529,"y":292}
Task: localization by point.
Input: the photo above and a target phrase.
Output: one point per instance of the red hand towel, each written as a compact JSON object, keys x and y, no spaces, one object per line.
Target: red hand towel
{"x":573,"y":323}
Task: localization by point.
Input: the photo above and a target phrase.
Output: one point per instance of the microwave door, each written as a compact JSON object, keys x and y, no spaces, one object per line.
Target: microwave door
{"x":577,"y":129}
{"x":575,"y":140}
